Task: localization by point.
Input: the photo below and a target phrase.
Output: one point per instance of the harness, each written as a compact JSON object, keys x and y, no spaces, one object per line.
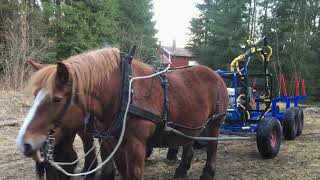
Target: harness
{"x":116,"y":126}
{"x":50,"y":141}
{"x":161,"y":121}
{"x":115,"y":129}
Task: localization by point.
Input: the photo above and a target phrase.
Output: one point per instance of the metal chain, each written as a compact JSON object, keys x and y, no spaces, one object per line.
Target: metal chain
{"x":58,"y":167}
{"x":50,"y":144}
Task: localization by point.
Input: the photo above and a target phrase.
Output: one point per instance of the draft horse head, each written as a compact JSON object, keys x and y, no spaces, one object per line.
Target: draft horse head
{"x":64,"y":137}
{"x":57,"y":89}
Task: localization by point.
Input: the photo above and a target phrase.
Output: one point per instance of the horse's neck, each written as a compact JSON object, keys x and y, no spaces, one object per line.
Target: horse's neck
{"x":106,"y":104}
{"x":140,"y":69}
{"x":108,"y":101}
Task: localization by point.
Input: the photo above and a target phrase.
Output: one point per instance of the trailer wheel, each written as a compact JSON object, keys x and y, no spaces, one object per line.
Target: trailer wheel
{"x":269,"y":135}
{"x":300,"y":120}
{"x":290,"y":124}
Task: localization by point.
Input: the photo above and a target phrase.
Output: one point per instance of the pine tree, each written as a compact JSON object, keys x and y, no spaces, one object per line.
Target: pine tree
{"x":292,"y":28}
{"x":218,"y":32}
{"x":76,"y":26}
{"x":293,"y":20}
{"x":137,"y":27}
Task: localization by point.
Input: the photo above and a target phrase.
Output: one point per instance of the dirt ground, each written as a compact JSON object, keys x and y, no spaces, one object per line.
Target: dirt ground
{"x":298,"y":159}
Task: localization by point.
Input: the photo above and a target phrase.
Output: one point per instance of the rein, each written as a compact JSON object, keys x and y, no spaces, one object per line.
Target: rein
{"x":122,"y":125}
{"x":118,"y":126}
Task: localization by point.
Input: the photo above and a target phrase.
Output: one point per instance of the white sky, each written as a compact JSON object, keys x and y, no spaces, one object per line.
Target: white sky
{"x":172,"y":20}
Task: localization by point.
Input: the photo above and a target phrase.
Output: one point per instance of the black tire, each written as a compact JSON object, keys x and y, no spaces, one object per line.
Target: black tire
{"x":290,"y":124}
{"x":269,"y":136}
{"x":300,"y":121}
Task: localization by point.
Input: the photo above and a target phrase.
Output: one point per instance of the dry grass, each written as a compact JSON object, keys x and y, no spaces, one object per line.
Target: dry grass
{"x":299,"y":159}
{"x":18,"y":43}
{"x":13,"y":105}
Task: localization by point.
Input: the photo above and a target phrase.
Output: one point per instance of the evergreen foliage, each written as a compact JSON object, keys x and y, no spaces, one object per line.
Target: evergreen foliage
{"x":137,"y":27}
{"x":51,"y":30}
{"x":70,"y":27}
{"x":292,"y":28}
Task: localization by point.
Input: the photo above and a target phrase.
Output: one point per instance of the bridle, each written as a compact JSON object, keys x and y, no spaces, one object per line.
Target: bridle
{"x":50,"y":141}
{"x":115,"y":129}
{"x":118,"y":126}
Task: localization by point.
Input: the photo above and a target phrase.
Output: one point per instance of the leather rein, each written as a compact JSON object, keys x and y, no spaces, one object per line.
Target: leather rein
{"x":115,"y":129}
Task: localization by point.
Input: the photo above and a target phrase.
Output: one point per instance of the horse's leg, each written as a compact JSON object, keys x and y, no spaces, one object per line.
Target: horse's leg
{"x":108,"y":170}
{"x":40,"y":170}
{"x":172,"y":153}
{"x":130,"y":159}
{"x":149,"y":151}
{"x":52,"y":173}
{"x":135,"y":159}
{"x":90,"y":160}
{"x":64,"y":152}
{"x":120,"y":161}
{"x":185,"y":163}
{"x":210,"y":167}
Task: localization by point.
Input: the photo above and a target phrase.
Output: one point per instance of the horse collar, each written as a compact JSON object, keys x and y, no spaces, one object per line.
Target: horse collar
{"x":115,"y":129}
{"x":116,"y":125}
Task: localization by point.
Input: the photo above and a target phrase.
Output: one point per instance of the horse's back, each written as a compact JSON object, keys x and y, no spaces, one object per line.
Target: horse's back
{"x":196,"y":93}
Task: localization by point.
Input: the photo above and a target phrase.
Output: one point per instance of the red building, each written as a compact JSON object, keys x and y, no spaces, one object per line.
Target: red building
{"x":178,"y":56}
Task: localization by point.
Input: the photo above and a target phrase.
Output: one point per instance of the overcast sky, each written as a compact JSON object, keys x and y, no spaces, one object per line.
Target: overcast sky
{"x":172,"y":20}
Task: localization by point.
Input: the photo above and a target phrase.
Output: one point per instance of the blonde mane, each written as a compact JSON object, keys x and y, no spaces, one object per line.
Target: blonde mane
{"x":88,"y":71}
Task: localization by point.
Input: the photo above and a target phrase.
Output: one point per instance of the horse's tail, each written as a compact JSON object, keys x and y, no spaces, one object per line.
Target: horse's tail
{"x":40,"y":170}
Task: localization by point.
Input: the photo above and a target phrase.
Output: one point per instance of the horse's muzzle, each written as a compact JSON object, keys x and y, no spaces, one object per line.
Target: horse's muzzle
{"x":28,"y":151}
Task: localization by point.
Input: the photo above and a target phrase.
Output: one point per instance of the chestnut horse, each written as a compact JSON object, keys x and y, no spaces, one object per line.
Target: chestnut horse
{"x":93,"y":80}
{"x":64,"y":152}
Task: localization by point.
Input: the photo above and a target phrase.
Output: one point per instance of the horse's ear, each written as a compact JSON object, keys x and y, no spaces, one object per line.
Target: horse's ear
{"x":36,"y":66}
{"x":62,"y":73}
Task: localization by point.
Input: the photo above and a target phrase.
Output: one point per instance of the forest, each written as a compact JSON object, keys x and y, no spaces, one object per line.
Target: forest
{"x":52,"y":30}
{"x":291,"y":26}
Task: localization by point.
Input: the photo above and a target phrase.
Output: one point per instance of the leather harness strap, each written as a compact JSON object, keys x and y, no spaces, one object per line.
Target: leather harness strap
{"x":126,"y":60}
{"x":165,"y":86}
{"x":160,"y":121}
{"x":115,"y":129}
{"x":136,"y":111}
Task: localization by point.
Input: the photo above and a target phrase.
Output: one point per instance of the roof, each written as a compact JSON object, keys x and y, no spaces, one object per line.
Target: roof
{"x":183,"y":52}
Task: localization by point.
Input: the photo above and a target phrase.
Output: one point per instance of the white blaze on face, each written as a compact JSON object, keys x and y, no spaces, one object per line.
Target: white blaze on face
{"x":39,"y":98}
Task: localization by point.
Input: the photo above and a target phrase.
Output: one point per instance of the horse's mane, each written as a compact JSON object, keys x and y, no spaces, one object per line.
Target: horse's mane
{"x":88,"y":71}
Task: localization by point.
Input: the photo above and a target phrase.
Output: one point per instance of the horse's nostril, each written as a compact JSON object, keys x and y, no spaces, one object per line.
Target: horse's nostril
{"x":28,"y":150}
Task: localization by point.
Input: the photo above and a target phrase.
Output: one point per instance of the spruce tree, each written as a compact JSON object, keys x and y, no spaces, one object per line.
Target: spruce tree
{"x":218,"y":32}
{"x":137,"y":28}
{"x":76,"y":26}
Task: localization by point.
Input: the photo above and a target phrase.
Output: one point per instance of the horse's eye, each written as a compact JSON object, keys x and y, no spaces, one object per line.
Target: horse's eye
{"x":56,"y":99}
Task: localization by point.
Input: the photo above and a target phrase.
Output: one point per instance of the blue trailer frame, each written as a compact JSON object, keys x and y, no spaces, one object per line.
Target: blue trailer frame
{"x":251,"y":125}
{"x":240,"y":124}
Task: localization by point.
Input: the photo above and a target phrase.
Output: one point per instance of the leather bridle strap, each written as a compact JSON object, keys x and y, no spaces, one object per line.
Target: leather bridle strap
{"x":50,"y":141}
{"x":58,"y":119}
